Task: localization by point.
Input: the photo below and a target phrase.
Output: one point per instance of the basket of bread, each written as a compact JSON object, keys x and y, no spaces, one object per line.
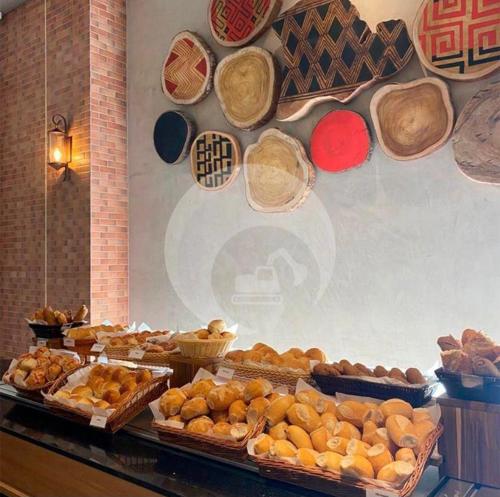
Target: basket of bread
{"x":379,"y":382}
{"x":471,"y":366}
{"x":212,"y":341}
{"x":106,"y":396}
{"x":49,"y":323}
{"x":346,"y":447}
{"x":81,"y":340}
{"x":213,"y":414}
{"x":33,"y":372}
{"x":281,"y":369}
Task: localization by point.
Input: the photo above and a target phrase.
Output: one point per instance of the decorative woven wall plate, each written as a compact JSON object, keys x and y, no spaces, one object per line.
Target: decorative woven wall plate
{"x":331,"y":54}
{"x":340,"y":141}
{"x":188,"y":69}
{"x":412,"y":119}
{"x":458,"y":39}
{"x":278,"y":174}
{"x":215,"y":160}
{"x":247,"y":86}
{"x":236,"y":23}
{"x":476,"y":140}
{"x":173,"y":135}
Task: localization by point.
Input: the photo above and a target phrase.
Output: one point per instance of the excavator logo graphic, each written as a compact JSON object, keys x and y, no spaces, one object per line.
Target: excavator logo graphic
{"x":263,"y":286}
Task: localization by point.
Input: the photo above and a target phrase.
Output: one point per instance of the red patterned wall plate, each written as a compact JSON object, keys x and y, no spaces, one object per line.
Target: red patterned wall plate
{"x":458,"y":39}
{"x":340,"y":141}
{"x":235,"y":23}
{"x":188,"y":69}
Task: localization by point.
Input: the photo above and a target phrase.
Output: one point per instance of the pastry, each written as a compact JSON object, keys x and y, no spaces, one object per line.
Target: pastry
{"x":221,"y":397}
{"x":357,"y":467}
{"x":53,"y":371}
{"x":406,"y":455}
{"x":401,"y":431}
{"x":193,"y":408}
{"x":27,"y":364}
{"x":457,"y":361}
{"x":222,"y":429}
{"x":329,"y":460}
{"x":315,"y":354}
{"x":36,"y":378}
{"x":283,"y":448}
{"x":62,"y":394}
{"x":82,"y":391}
{"x":202,"y":425}
{"x":256,"y":409}
{"x":262,"y":444}
{"x":200,"y":388}
{"x":129,"y":385}
{"x":379,"y":456}
{"x":143,"y":376}
{"x":395,"y":472}
{"x":352,"y":411}
{"x":278,"y":431}
{"x":238,"y":387}
{"x":319,"y":437}
{"x":313,"y":398}
{"x":484,"y":367}
{"x":276,"y":412}
{"x":306,"y":457}
{"x":102,"y":404}
{"x":346,"y":430}
{"x":303,"y":415}
{"x":396,"y":406}
{"x":356,"y":447}
{"x":81,"y":314}
{"x":299,"y":437}
{"x":112,"y":396}
{"x":449,"y":343}
{"x":338,"y":445}
{"x":177,"y":418}
{"x":363,"y":369}
{"x":237,"y":412}
{"x":171,"y":402}
{"x":258,"y":387}
{"x":220,"y":416}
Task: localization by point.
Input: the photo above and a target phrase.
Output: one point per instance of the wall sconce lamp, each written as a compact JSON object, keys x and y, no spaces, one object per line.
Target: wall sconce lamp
{"x":59,"y":145}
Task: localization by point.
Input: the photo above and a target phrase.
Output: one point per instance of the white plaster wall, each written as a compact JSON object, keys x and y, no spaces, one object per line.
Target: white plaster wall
{"x":394,"y":254}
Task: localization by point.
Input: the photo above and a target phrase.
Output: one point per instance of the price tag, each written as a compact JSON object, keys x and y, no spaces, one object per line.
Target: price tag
{"x":225,"y":373}
{"x":379,"y":492}
{"x":136,"y":354}
{"x":41,"y":342}
{"x":98,"y":421}
{"x":98,"y":347}
{"x":69,"y":342}
{"x":102,"y":359}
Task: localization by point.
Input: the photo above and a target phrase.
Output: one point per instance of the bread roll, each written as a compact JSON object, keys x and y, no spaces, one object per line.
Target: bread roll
{"x":448,"y":343}
{"x":363,"y":369}
{"x":235,"y":356}
{"x":283,"y":448}
{"x":262,"y":444}
{"x":220,"y":416}
{"x":102,"y":404}
{"x":379,"y":456}
{"x":81,"y":400}
{"x":346,"y":430}
{"x":27,"y":364}
{"x":401,"y":431}
{"x":238,"y":387}
{"x":319,"y":438}
{"x":112,"y":396}
{"x":217,"y":325}
{"x":357,"y":467}
{"x":306,"y":457}
{"x":382,"y":437}
{"x":356,"y":447}
{"x":395,"y":472}
{"x":273,"y":396}
{"x":369,"y":429}
{"x":338,"y":445}
{"x":171,"y":402}
{"x":329,"y":460}
{"x":143,"y":376}
{"x":298,"y":437}
{"x":176,"y":418}
{"x":53,"y":372}
{"x":396,"y":406}
{"x":119,"y":374}
{"x":222,"y":429}
{"x":200,"y":388}
{"x":202,"y":425}
{"x":422,"y":430}
{"x":457,"y":361}
{"x":128,"y":386}
{"x":406,"y":455}
{"x":352,"y":411}
{"x":329,"y":421}
{"x":237,"y":412}
{"x":62,"y":394}
{"x":193,"y":408}
{"x":82,"y":391}
{"x":259,"y":387}
{"x":278,"y":431}
{"x":421,"y":414}
{"x":305,"y":416}
{"x":256,"y":409}
{"x":374,"y":414}
{"x":221,"y":397}
{"x":313,"y":398}
{"x":414,"y":376}
{"x":239,"y":431}
{"x":380,"y":372}
{"x":315,"y":354}
{"x":276,"y":412}
{"x":330,"y":407}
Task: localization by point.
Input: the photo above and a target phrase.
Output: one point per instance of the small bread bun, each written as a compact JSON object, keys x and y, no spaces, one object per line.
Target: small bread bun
{"x":303,"y":415}
{"x":217,"y":325}
{"x":422,"y":430}
{"x":382,"y":437}
{"x":221,"y":397}
{"x":369,"y":429}
{"x":128,"y":386}
{"x":329,"y":460}
{"x":352,"y":411}
{"x":397,"y":374}
{"x":276,"y":412}
{"x":278,"y":431}
{"x":119,"y":374}
{"x":396,"y":406}
{"x":202,"y":425}
{"x":299,"y":437}
{"x":222,"y":429}
{"x":144,"y":375}
{"x":82,"y":391}
{"x":111,"y":385}
{"x":395,"y":472}
{"x":295,"y":352}
{"x":313,"y":398}
{"x":237,"y":412}
{"x":112,"y":396}
{"x":356,"y":466}
{"x":365,"y":371}
{"x":53,"y":371}
{"x":316,"y":354}
{"x":380,"y":372}
{"x":102,"y":404}
{"x":220,"y":416}
{"x":193,"y":408}
{"x":356,"y":447}
{"x":201,"y":388}
{"x":374,"y":414}
{"x":379,"y":456}
{"x":401,"y":431}
{"x":256,"y":409}
{"x":338,"y":445}
{"x":346,"y":430}
{"x":262,"y":444}
{"x":258,"y":387}
{"x":306,"y":457}
{"x":421,"y":414}
{"x":235,"y":356}
{"x":283,"y":448}
{"x":329,"y":421}
{"x":414,"y":376}
{"x":238,"y":387}
{"x":406,"y":455}
{"x":176,"y":418}
{"x":171,"y":402}
{"x":62,"y":394}
{"x":319,"y":437}
{"x":239,"y":431}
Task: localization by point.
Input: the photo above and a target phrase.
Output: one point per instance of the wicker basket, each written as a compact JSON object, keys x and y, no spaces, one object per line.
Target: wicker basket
{"x":340,"y":486}
{"x":149,"y":358}
{"x":277,"y":376}
{"x":211,"y":347}
{"x":416,"y":396}
{"x":205,"y":443}
{"x":136,"y":403}
{"x":82,"y":346}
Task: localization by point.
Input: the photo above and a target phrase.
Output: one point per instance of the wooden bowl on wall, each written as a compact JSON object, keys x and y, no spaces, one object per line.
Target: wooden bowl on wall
{"x":278,"y":174}
{"x":247,"y":84}
{"x":413,"y":119}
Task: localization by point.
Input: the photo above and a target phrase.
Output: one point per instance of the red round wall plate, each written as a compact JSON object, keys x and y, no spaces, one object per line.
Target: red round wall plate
{"x":340,"y":141}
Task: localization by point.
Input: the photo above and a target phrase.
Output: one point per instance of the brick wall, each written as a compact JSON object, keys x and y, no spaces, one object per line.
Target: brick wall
{"x":62,"y":243}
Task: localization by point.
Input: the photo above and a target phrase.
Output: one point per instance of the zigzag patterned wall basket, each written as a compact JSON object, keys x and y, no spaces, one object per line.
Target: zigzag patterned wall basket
{"x":331,"y":54}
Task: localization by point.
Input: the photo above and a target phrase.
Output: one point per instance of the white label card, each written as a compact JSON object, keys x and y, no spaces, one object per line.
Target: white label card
{"x":136,"y":354}
{"x":225,"y":373}
{"x":98,"y":421}
{"x":102,"y":359}
{"x":41,"y":342}
{"x":69,"y":342}
{"x":98,"y":347}
{"x":379,"y":492}
{"x":32,"y":349}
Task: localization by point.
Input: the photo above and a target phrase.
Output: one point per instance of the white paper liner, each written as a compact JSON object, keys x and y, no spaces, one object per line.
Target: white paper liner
{"x":273,"y":367}
{"x":391,"y":381}
{"x":128,"y":329}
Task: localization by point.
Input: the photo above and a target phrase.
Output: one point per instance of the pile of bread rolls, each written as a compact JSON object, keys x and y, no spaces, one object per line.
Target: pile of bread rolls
{"x":227,"y":411}
{"x":360,"y":440}
{"x":475,"y":353}
{"x":106,"y":387}
{"x":90,"y":332}
{"x":344,"y":368}
{"x":265,"y":355}
{"x":51,"y":317}
{"x":216,"y":330}
{"x":131,"y":339}
{"x":40,"y":367}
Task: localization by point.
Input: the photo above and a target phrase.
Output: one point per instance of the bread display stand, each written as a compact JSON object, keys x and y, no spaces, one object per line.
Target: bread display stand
{"x":172,"y":432}
{"x":215,"y":160}
{"x":247,"y":85}
{"x":187,"y":74}
{"x":330,"y":53}
{"x":236,"y":23}
{"x":475,"y":139}
{"x":413,"y":119}
{"x":458,"y":40}
{"x":173,"y":134}
{"x":340,"y":141}
{"x":278,"y":173}
{"x":185,"y":368}
{"x":115,"y":418}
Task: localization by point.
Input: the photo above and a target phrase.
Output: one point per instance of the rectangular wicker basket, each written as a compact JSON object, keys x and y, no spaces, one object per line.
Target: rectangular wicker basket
{"x":149,"y":358}
{"x":137,"y":402}
{"x":340,"y":486}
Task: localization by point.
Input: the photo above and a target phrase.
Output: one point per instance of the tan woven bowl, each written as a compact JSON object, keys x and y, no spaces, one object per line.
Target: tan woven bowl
{"x":211,"y":347}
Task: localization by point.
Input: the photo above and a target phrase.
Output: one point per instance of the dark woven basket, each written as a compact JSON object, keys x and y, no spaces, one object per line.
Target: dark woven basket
{"x":456,"y":386}
{"x":416,"y":396}
{"x":53,"y":331}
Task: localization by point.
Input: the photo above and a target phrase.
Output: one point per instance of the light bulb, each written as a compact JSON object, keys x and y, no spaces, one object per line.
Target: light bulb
{"x":57,"y":155}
